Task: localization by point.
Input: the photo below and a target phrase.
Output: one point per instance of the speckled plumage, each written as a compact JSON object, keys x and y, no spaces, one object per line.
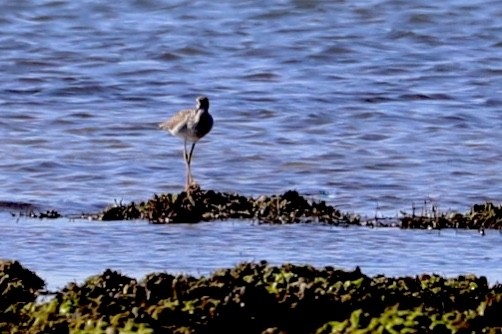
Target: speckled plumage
{"x":191,"y":124}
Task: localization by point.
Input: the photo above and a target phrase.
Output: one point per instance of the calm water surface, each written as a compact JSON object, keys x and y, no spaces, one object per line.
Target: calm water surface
{"x":73,"y":250}
{"x":373,"y":106}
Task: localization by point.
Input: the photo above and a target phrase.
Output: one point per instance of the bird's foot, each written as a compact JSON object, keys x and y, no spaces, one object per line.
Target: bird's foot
{"x":192,"y":186}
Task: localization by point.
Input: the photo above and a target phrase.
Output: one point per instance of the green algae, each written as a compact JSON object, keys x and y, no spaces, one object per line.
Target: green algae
{"x":259,"y":298}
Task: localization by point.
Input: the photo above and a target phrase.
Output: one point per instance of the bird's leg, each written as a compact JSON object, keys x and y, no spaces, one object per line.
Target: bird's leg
{"x":190,"y":154}
{"x":185,"y":154}
{"x":189,"y":161}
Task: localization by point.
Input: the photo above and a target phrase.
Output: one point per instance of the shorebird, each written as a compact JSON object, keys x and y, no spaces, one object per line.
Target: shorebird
{"x":191,"y":125}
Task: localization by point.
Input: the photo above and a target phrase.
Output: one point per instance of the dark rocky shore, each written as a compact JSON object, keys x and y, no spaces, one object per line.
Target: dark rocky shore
{"x":251,"y":298}
{"x":197,"y":205}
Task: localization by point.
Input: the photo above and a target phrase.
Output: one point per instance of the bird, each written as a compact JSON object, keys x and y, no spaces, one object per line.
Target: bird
{"x":190,"y":125}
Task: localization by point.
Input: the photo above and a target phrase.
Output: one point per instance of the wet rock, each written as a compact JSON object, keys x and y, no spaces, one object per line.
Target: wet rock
{"x":198,"y":205}
{"x":487,"y":215}
{"x":480,"y":217}
{"x":17,"y":283}
{"x":18,"y":287}
{"x":49,"y":214}
{"x":260,"y":298}
{"x":120,"y":211}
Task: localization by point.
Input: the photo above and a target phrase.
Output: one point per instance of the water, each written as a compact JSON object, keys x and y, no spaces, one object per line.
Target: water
{"x":68,"y":251}
{"x":373,"y":106}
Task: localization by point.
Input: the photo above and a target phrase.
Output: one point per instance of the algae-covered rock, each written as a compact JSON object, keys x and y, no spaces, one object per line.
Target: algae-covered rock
{"x":261,"y":298}
{"x":487,"y":215}
{"x":17,"y":284}
{"x":480,"y":217}
{"x":18,"y":287}
{"x":196,"y":205}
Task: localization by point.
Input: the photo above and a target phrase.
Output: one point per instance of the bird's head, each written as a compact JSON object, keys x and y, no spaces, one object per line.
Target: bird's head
{"x":202,"y":102}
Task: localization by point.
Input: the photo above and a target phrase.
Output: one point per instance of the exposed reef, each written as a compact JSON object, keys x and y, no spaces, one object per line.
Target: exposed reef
{"x":480,"y":217}
{"x":198,"y":205}
{"x":251,"y":298}
{"x":206,"y":205}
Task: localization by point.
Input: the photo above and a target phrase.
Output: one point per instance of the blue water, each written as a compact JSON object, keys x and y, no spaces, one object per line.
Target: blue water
{"x":65,"y":251}
{"x":370,"y":105}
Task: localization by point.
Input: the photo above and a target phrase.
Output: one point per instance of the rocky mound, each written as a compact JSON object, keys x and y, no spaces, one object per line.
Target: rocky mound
{"x":258,"y":298}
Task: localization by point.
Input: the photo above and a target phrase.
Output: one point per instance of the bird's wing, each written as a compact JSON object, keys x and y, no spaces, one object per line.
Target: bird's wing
{"x":176,"y":122}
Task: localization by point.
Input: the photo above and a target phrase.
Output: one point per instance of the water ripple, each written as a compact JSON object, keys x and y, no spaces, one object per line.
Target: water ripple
{"x":382,"y":98}
{"x":77,"y":249}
